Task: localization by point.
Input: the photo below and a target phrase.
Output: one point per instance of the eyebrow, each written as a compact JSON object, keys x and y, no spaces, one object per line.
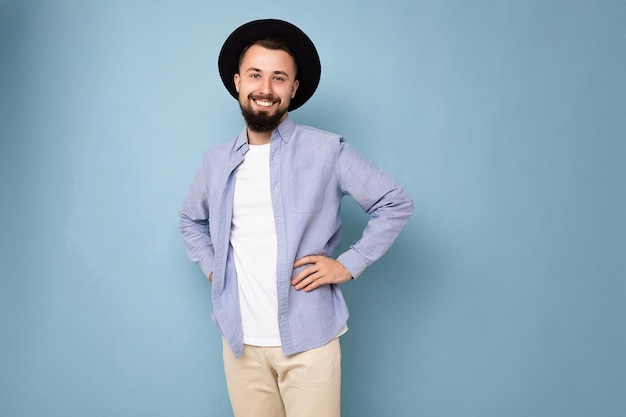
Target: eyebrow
{"x":275,"y":72}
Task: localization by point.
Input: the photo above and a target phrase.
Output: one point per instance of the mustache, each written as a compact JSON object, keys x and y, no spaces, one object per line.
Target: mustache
{"x":265,"y":97}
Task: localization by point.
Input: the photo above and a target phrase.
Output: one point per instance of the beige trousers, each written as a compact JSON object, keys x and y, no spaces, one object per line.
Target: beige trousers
{"x":265,"y":383}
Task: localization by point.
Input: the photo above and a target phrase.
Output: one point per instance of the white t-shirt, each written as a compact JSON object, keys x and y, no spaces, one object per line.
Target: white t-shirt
{"x":253,"y":237}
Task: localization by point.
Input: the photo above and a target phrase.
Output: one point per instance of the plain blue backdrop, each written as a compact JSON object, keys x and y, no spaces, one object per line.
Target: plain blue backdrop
{"x":505,"y":120}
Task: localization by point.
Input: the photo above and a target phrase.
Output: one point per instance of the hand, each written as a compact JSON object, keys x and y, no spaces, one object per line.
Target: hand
{"x":211,"y":277}
{"x":322,"y":271}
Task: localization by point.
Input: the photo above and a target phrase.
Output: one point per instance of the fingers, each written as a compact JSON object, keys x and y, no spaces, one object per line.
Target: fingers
{"x":309,"y":282}
{"x":322,"y":270}
{"x":310,"y":259}
{"x":304,"y":277}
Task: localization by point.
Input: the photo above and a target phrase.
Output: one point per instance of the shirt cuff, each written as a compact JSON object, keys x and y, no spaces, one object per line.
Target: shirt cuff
{"x":352,"y":262}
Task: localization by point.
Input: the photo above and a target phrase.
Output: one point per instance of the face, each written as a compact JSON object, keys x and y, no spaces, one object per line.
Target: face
{"x":266,"y":84}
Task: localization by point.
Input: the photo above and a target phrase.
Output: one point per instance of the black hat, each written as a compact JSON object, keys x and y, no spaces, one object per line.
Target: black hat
{"x":307,"y":59}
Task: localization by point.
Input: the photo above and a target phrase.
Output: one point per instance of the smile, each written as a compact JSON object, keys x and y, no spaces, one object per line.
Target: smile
{"x":264,"y":103}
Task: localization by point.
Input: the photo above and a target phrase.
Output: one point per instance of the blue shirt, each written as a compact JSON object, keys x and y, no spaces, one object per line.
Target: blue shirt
{"x":310,"y":172}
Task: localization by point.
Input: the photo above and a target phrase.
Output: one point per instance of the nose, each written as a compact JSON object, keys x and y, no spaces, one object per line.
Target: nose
{"x":266,"y":86}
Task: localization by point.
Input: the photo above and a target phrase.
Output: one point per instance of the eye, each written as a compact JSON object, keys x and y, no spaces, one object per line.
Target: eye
{"x":279,"y":78}
{"x":254,"y":75}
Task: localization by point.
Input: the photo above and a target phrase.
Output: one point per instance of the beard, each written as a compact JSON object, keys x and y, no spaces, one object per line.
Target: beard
{"x":262,"y":122}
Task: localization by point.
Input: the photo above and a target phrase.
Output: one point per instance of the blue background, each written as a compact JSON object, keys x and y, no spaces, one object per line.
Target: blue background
{"x":505,"y":120}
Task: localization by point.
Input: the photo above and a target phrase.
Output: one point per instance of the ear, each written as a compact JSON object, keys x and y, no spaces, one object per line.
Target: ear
{"x":237,"y":79}
{"x":294,"y":88}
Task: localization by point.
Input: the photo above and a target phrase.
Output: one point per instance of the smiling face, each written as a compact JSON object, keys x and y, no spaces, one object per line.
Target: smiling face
{"x":266,"y":83}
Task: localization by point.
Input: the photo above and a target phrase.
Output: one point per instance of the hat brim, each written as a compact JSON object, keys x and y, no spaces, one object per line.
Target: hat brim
{"x":308,"y":61}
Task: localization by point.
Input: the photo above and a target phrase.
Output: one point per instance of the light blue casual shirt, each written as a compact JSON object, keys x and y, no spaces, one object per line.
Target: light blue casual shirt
{"x":310,"y":172}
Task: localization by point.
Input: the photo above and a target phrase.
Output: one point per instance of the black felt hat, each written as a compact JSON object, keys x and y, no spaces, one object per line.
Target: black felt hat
{"x":307,"y":59}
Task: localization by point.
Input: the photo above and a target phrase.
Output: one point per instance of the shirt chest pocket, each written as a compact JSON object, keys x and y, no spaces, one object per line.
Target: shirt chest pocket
{"x":306,"y":190}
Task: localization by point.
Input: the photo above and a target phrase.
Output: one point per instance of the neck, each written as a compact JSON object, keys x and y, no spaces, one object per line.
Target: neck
{"x":258,"y":138}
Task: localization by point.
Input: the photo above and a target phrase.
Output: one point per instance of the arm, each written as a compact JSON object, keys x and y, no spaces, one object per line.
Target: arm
{"x":386,"y":202}
{"x":389,"y":208}
{"x":194,"y":224}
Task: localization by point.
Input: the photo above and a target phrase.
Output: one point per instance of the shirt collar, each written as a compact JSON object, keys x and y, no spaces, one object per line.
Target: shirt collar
{"x":285,"y":129}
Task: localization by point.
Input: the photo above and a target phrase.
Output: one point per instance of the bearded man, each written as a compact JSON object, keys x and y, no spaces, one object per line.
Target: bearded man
{"x":262,"y":221}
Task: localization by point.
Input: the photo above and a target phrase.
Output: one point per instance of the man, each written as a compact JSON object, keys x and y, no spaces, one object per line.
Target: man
{"x":262,"y":221}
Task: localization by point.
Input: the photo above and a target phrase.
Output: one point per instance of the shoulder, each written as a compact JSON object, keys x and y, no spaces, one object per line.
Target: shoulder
{"x":317,"y":133}
{"x":317,"y":136}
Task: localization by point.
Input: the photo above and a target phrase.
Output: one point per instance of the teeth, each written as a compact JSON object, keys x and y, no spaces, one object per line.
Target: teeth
{"x":263,"y":103}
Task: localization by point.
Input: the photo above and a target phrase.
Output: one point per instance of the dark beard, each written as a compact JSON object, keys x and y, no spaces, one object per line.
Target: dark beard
{"x":262,"y":122}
